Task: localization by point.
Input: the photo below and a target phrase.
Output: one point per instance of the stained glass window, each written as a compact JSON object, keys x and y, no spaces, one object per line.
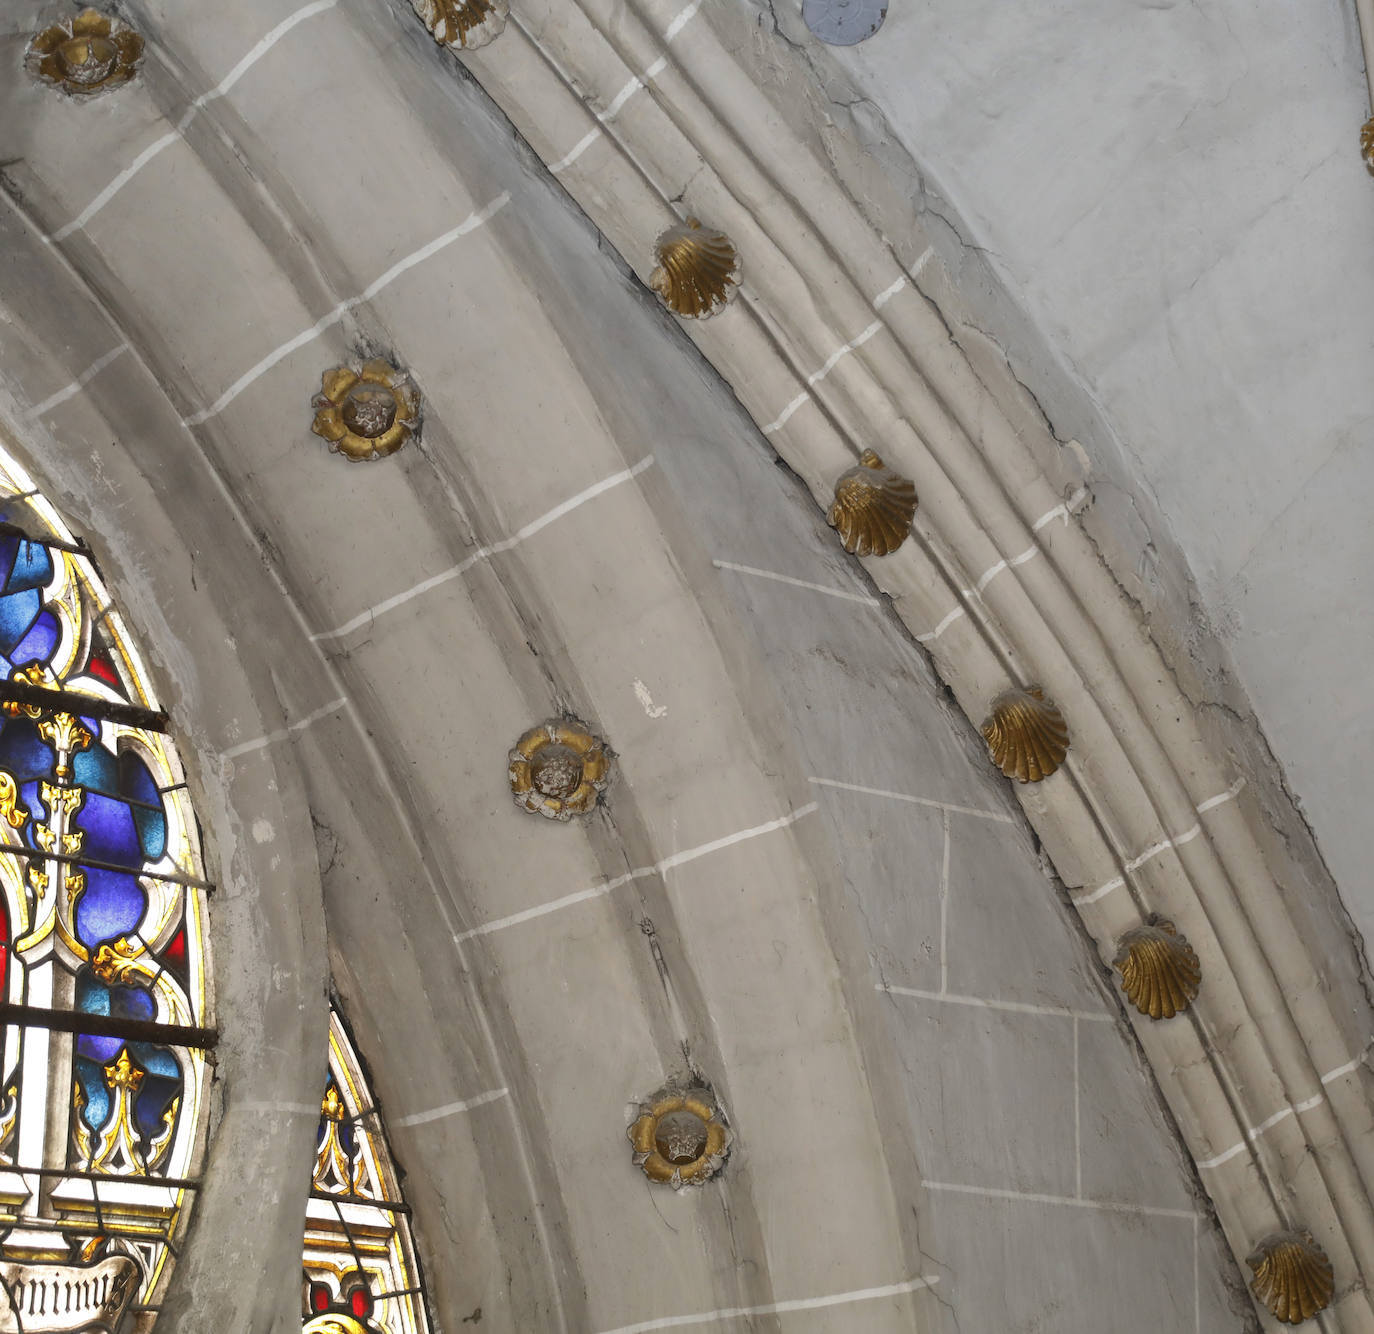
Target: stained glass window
{"x":361,"y":1272}
{"x":104,"y":975}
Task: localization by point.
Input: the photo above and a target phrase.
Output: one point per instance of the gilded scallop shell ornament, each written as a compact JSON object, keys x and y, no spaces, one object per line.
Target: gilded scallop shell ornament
{"x":873,"y":508}
{"x":1293,"y":1277}
{"x":1367,"y":143}
{"x":1026,"y":734}
{"x":698,"y":270}
{"x":86,"y":54}
{"x":1160,"y":972}
{"x":367,"y":412}
{"x":559,"y":769}
{"x":463,"y":24}
{"x":681,"y":1138}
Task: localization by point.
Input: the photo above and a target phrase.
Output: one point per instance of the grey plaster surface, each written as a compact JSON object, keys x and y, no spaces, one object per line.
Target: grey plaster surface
{"x":1160,"y":213}
{"x":700,"y":932}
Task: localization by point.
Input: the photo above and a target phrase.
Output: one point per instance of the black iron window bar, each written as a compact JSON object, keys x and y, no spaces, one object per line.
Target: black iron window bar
{"x":52,"y":700}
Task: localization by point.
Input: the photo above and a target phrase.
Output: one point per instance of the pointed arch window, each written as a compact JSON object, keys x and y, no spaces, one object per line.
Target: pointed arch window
{"x":362,"y":1275}
{"x":104,"y":972}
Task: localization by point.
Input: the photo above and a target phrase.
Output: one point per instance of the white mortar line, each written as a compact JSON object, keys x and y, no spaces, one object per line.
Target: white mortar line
{"x":576,"y":151}
{"x":1016,"y":1007}
{"x":922,"y":260}
{"x":1212,"y":802}
{"x":843,"y":351}
{"x":469,"y":224}
{"x":1137,"y":862}
{"x":282,"y":733}
{"x":484,"y":553}
{"x":1077,"y":1119}
{"x":640,"y":80}
{"x":829,"y":365}
{"x":948,"y":620}
{"x":1340,"y":1070}
{"x":915,"y":801}
{"x":1061,"y":511}
{"x":989,"y":574}
{"x":1112,"y":1206}
{"x":779,"y":1308}
{"x":797,"y":583}
{"x":1252,"y":1135}
{"x":888,"y":293}
{"x":1202,"y":808}
{"x":639,"y":873}
{"x":78,"y":384}
{"x":148,"y":154}
{"x":944,"y":904}
{"x":452,"y":1108}
{"x":785,"y":415}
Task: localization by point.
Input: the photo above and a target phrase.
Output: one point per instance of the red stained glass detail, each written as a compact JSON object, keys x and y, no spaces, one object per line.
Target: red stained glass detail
{"x":361,"y":1302}
{"x":319,"y":1297}
{"x":175,"y":953}
{"x":99,"y":667}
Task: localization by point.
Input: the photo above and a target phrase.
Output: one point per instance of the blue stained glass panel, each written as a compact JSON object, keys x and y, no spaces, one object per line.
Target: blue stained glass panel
{"x":152,"y":831}
{"x":96,"y":768}
{"x":92,"y":1080}
{"x":23,"y":752}
{"x":38,"y":644}
{"x":111,"y":835}
{"x":135,"y":781}
{"x":32,"y":567}
{"x":112,"y":906}
{"x":18,"y":611}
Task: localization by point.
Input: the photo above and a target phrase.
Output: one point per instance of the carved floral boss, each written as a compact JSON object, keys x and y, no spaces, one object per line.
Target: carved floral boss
{"x":680,"y":1138}
{"x":86,"y":54}
{"x":366,"y":413}
{"x":559,"y":769}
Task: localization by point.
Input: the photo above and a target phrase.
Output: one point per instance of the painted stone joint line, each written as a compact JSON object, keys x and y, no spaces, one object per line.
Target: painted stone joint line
{"x":485,"y":553}
{"x":863,"y":598}
{"x":829,"y":365}
{"x":1033,"y":1197}
{"x":916,"y":801}
{"x":469,"y":224}
{"x":1188,"y":834}
{"x":780,"y":1308}
{"x":77,"y":385}
{"x":639,"y":873}
{"x":452,"y":1108}
{"x":984,"y":1003}
{"x":255,"y":53}
{"x":260,"y":743}
{"x":1252,"y":1135}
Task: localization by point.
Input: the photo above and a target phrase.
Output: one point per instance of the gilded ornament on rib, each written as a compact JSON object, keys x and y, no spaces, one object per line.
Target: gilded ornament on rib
{"x":1367,"y":143}
{"x":1293,"y":1277}
{"x":366,"y":413}
{"x":1160,"y":972}
{"x":873,"y":508}
{"x":464,"y":24}
{"x":559,"y":769}
{"x":698,"y":270}
{"x":681,"y":1137}
{"x":86,"y":54}
{"x":1026,"y":734}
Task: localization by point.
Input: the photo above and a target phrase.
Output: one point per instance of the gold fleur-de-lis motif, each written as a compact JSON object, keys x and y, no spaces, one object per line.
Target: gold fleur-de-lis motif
{"x":65,"y":733}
